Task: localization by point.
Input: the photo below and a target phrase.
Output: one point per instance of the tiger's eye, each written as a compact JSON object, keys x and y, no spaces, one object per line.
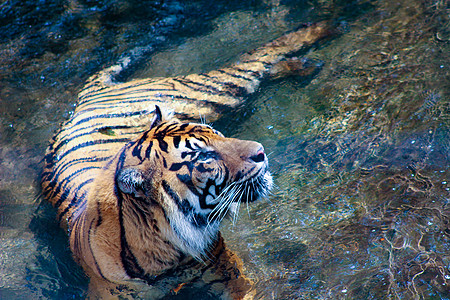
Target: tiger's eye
{"x":203,"y":156}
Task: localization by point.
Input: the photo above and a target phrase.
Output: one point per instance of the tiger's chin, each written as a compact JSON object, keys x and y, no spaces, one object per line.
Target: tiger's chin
{"x":261,"y":187}
{"x":195,"y":237}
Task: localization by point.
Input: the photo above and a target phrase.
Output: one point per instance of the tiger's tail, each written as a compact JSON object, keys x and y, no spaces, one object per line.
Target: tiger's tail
{"x":209,"y":94}
{"x":274,"y":51}
{"x":244,"y":77}
{"x":271,"y":59}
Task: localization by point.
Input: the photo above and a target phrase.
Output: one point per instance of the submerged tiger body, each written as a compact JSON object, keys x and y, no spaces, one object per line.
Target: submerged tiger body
{"x":142,"y":193}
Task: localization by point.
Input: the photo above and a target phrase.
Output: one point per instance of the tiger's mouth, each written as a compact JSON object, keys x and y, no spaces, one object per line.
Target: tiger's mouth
{"x":244,"y":191}
{"x":255,"y":188}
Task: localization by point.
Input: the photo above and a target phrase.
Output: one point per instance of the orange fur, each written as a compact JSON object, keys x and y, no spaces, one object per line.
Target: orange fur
{"x":142,"y":194}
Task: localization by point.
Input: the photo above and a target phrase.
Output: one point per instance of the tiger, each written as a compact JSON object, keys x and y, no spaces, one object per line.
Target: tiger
{"x":141,"y":185}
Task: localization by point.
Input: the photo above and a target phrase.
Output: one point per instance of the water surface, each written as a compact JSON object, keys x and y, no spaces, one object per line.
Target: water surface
{"x":359,"y":150}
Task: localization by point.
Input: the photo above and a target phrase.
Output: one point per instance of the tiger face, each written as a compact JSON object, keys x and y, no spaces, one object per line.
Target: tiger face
{"x":196,"y":175}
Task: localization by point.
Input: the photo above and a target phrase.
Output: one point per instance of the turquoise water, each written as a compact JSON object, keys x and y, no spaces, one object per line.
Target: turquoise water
{"x":359,"y":150}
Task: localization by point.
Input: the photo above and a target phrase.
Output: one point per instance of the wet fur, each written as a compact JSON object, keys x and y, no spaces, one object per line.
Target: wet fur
{"x":121,"y":174}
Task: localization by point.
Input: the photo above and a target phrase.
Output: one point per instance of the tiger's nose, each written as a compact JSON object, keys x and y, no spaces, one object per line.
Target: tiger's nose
{"x":260,"y":156}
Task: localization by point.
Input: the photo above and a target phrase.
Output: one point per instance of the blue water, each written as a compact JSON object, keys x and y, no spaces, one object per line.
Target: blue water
{"x":359,"y":150}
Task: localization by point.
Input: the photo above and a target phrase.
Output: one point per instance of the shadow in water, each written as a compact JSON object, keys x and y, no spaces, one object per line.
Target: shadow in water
{"x":55,"y":274}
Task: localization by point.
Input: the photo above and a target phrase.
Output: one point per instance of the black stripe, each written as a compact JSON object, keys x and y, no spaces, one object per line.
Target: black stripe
{"x":232,"y":88}
{"x":186,"y":179}
{"x":183,"y":127}
{"x":61,"y":185}
{"x":74,"y":133}
{"x":200,"y":129}
{"x":114,"y":102}
{"x":171,"y":192}
{"x":202,"y":197}
{"x":137,"y":147}
{"x":177,"y":166}
{"x":192,"y":154}
{"x":114,"y":93}
{"x":130,"y":264}
{"x":76,"y":213}
{"x":196,"y":219}
{"x":202,"y":139}
{"x":67,"y":181}
{"x":76,"y":245}
{"x":115,"y":115}
{"x":68,"y":139}
{"x":160,"y":136}
{"x":265,"y":64}
{"x":163,"y":145}
{"x":62,"y":136}
{"x":188,"y":145}
{"x":63,"y":197}
{"x":253,"y":73}
{"x":92,"y":84}
{"x":148,"y":150}
{"x":235,"y":75}
{"x":95,"y":84}
{"x":76,"y":200}
{"x":171,"y":127}
{"x":93,"y":143}
{"x":209,"y":88}
{"x":201,"y":168}
{"x":176,"y":141}
{"x":90,"y":246}
{"x":53,"y":177}
{"x":129,"y":261}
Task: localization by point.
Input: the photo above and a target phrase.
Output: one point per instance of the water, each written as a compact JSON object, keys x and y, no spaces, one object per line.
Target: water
{"x":359,"y":150}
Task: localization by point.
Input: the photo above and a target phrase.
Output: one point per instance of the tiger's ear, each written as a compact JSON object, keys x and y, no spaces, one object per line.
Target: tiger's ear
{"x":131,"y":181}
{"x":160,"y":116}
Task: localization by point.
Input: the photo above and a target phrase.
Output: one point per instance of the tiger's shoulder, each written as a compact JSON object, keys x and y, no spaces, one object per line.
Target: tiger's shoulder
{"x":142,"y":192}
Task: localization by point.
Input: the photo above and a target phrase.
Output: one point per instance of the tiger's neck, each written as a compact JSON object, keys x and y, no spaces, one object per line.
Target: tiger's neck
{"x":122,"y":238}
{"x":126,"y":237}
{"x":190,"y":237}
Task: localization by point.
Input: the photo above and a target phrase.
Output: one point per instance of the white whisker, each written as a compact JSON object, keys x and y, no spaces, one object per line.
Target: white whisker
{"x":225,"y":199}
{"x":234,"y":193}
{"x":246,"y":202}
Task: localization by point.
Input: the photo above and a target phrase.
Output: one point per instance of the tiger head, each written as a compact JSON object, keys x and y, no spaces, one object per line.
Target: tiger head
{"x":196,"y":175}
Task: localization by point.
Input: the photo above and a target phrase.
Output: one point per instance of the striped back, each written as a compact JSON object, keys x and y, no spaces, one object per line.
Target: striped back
{"x":108,"y":114}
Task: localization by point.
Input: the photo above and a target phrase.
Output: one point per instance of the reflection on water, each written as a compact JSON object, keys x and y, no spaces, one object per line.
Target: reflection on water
{"x":360,"y":151}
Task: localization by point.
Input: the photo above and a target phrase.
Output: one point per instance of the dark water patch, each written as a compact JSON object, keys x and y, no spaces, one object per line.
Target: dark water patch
{"x":363,"y":183}
{"x":17,"y":17}
{"x":63,"y":277}
{"x":360,"y":150}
